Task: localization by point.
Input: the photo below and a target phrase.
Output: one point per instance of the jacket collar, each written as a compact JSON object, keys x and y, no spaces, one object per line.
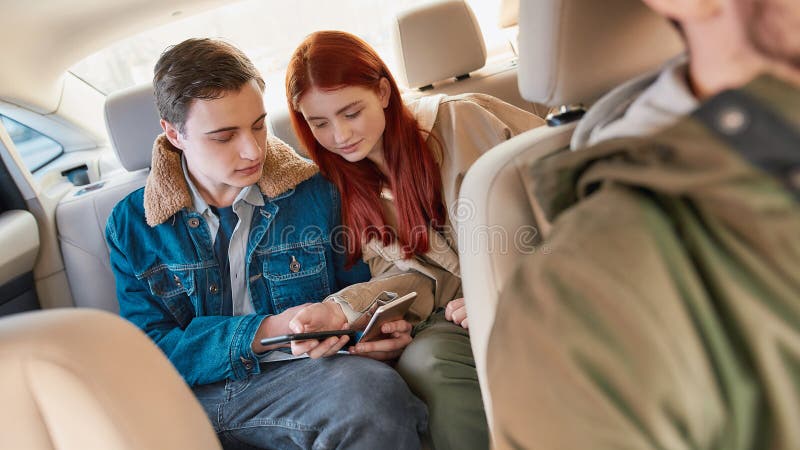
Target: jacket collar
{"x":167,"y":192}
{"x":681,"y":160}
{"x":425,"y":110}
{"x":643,"y":106}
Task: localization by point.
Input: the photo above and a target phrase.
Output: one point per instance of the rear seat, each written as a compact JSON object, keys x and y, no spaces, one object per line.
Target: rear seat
{"x":439,"y":44}
{"x":441,"y":50}
{"x":132,"y":124}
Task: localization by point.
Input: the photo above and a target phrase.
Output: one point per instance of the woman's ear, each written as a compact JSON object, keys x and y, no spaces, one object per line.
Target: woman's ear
{"x":384,"y":92}
{"x":685,"y":10}
{"x":172,"y":133}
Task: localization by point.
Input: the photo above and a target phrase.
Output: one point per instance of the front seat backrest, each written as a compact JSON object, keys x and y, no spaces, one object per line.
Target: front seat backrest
{"x":571,"y":51}
{"x":132,"y":122}
{"x":78,"y":379}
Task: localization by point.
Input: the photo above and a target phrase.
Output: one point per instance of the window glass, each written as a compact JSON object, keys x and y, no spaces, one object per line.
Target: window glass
{"x":35,"y":148}
{"x":267,"y":31}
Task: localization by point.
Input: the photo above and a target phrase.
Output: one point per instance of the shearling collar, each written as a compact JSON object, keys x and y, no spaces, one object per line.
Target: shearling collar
{"x":166,"y":191}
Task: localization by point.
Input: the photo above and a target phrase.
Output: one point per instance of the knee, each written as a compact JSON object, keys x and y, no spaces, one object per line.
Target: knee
{"x":422,"y":358}
{"x":433,"y":360}
{"x":379,"y":391}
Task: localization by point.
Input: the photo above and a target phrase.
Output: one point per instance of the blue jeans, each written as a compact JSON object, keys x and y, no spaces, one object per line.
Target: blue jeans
{"x":342,"y":401}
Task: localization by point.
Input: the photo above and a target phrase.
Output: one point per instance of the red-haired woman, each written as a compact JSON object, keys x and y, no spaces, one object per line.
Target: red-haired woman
{"x":399,"y":168}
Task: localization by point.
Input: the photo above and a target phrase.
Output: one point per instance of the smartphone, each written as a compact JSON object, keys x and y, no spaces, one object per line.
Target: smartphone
{"x":319,"y":335}
{"x":394,"y":310}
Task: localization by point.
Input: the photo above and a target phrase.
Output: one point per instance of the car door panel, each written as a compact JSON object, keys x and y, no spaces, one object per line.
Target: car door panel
{"x":19,"y":239}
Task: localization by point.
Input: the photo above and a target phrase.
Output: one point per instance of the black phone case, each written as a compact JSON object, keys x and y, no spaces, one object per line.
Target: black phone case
{"x":306,"y":336}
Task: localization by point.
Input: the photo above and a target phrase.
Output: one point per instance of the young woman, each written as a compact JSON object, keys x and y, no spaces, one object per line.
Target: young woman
{"x":398,"y":169}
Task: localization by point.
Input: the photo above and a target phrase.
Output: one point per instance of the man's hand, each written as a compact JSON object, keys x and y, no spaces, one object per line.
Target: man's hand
{"x":275,"y":325}
{"x":389,"y":348}
{"x":456,"y":312}
{"x":319,"y":317}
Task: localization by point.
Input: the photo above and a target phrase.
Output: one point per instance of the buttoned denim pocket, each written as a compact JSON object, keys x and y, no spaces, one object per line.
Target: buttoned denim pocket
{"x":296,"y":274}
{"x":174,"y":288}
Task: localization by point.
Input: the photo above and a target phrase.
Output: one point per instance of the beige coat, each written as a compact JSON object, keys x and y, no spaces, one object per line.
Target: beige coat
{"x":466,"y":125}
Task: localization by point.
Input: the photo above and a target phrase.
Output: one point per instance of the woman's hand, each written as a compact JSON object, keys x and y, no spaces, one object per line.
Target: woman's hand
{"x":319,"y":317}
{"x":389,"y":348}
{"x":456,"y":312}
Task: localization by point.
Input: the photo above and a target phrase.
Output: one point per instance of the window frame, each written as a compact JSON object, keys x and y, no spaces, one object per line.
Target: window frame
{"x":46,"y":162}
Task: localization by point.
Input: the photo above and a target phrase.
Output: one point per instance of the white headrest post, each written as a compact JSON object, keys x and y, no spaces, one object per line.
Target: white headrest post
{"x":573,"y":51}
{"x":437,"y":41}
{"x":132,"y":122}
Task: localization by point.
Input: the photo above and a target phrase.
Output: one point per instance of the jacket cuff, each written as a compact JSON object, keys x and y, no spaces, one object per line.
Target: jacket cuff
{"x":244,"y":361}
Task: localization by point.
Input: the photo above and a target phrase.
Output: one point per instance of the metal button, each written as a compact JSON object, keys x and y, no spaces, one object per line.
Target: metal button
{"x":732,"y":120}
{"x":194,"y":222}
{"x":213,"y":289}
{"x":294,"y":266}
{"x":247,"y":363}
{"x":177,"y":281}
{"x":268,"y":215}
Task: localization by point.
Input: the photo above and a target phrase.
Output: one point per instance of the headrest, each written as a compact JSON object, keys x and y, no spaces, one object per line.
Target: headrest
{"x":509,"y":13}
{"x":573,"y":51}
{"x":132,"y":122}
{"x":437,"y":41}
{"x":89,"y":379}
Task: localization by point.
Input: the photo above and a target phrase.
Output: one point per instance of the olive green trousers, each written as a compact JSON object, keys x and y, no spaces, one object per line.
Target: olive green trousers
{"x":439,"y":368}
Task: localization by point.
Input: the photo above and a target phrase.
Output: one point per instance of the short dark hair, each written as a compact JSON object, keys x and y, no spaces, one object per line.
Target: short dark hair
{"x":198,"y":69}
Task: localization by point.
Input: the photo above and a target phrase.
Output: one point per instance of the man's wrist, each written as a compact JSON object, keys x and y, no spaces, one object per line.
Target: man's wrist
{"x":269,"y":327}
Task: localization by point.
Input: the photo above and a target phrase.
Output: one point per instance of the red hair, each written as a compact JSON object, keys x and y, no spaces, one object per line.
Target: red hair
{"x":331,"y":60}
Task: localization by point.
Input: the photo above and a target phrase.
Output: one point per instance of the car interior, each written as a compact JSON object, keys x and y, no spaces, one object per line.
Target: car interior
{"x":76,"y":374}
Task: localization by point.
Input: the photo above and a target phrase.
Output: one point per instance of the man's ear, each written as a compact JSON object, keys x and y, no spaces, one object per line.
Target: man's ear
{"x":384,"y":92}
{"x":173,"y":134}
{"x":685,"y":10}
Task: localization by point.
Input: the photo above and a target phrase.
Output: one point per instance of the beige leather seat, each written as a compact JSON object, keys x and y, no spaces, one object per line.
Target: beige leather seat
{"x":132,"y":122}
{"x":81,"y":379}
{"x":571,"y":51}
{"x":440,"y":49}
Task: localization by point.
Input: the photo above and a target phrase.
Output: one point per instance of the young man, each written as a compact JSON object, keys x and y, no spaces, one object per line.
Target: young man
{"x":227,"y":242}
{"x":667,"y":313}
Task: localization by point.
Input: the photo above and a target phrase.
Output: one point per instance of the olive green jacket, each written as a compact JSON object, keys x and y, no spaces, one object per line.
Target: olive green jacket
{"x":461,"y":128}
{"x":666,"y":312}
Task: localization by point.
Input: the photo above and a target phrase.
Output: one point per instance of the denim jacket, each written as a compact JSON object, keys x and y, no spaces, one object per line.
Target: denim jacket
{"x":168,"y":278}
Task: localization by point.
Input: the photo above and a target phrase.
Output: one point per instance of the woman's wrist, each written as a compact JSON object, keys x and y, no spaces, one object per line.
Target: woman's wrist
{"x":336,"y":312}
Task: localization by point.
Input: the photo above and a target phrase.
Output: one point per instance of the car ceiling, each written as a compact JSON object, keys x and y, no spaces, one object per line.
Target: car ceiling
{"x":41,"y":39}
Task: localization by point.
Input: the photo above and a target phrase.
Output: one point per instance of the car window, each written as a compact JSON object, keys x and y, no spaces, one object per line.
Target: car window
{"x":267,"y":31}
{"x":35,"y":148}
